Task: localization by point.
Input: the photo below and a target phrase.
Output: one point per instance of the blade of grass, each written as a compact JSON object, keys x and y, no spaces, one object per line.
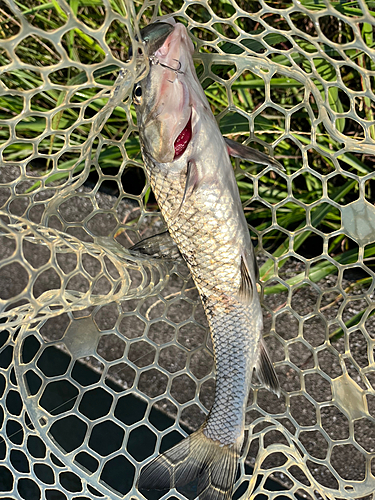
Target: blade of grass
{"x":345,"y":8}
{"x":317,"y":217}
{"x":321,"y":270}
{"x":337,"y":334}
{"x":347,"y":158}
{"x":368,"y":38}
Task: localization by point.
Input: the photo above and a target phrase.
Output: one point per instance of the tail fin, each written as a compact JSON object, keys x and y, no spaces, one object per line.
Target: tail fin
{"x":197,"y":456}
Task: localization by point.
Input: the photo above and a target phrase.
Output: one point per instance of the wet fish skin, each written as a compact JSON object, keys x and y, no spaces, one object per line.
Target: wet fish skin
{"x":199,"y":200}
{"x":154,"y":35}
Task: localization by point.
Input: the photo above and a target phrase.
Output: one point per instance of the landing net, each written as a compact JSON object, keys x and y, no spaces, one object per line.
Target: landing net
{"x":105,"y":356}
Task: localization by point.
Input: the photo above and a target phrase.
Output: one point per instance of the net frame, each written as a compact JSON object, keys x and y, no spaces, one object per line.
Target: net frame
{"x":47,"y":222}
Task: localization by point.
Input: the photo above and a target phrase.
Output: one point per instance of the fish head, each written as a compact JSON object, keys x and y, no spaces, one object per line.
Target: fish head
{"x":154,"y":35}
{"x":163,"y":99}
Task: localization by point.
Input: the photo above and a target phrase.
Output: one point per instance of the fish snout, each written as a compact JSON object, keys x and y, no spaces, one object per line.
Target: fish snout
{"x":177,"y":49}
{"x":164,"y":117}
{"x":154,"y":35}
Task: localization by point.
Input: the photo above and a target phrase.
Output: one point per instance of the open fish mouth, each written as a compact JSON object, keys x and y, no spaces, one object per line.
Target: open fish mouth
{"x":183,"y":140}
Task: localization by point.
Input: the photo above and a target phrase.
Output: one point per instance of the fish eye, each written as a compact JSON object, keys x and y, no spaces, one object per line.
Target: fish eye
{"x":137,"y":94}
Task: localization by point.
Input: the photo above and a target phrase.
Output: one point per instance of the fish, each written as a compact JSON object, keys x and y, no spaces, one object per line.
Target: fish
{"x":187,"y":162}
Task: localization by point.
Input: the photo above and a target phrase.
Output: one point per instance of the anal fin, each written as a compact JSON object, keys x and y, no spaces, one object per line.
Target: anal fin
{"x":265,"y":370}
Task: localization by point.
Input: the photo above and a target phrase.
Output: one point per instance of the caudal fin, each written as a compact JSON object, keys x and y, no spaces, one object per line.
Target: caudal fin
{"x":197,"y":456}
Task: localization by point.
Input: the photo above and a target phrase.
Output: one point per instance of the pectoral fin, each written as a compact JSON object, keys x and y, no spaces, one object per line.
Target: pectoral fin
{"x":249,"y":154}
{"x":265,"y":370}
{"x":158,"y":246}
{"x":191,"y":184}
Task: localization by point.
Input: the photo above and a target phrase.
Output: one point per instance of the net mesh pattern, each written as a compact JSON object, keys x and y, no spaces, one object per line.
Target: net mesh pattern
{"x":97,"y":343}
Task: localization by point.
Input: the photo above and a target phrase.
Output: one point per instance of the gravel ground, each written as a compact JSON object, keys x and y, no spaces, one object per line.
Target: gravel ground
{"x":283,"y":336}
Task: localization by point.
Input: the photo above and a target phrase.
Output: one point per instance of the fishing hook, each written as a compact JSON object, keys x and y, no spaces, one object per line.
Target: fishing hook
{"x":155,"y":60}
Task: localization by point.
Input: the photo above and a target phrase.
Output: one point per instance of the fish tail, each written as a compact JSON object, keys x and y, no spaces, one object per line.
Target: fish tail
{"x":196,"y":456}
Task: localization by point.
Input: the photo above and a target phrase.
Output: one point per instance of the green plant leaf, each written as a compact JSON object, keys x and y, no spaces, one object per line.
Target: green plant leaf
{"x":266,"y":271}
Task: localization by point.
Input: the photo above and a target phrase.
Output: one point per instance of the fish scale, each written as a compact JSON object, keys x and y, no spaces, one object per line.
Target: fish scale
{"x":233,"y":358}
{"x":214,"y":268}
{"x":211,"y":266}
{"x":189,"y":169}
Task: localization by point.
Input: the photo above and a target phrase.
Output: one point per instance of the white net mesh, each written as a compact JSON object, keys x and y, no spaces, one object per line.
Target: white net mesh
{"x":105,"y":357}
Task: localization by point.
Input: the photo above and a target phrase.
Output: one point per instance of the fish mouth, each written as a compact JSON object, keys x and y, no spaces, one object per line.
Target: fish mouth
{"x":183,"y":140}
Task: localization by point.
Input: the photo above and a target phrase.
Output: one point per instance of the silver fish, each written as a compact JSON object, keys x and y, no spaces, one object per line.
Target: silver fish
{"x":187,"y":162}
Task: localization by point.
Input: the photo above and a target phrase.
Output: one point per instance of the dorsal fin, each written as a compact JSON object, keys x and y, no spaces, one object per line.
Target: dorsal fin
{"x":249,"y":154}
{"x":256,"y":268}
{"x":246,"y":290}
